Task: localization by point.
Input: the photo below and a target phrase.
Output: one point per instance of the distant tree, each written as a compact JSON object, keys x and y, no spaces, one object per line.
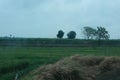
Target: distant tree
{"x":60,"y":34}
{"x":102,"y":33}
{"x":89,"y":32}
{"x":71,"y":35}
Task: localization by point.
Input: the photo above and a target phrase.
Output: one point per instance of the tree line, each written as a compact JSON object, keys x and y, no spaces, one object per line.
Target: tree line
{"x":100,"y":33}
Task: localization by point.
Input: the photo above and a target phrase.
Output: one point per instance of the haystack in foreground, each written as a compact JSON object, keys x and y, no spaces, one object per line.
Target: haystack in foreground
{"x":81,"y":68}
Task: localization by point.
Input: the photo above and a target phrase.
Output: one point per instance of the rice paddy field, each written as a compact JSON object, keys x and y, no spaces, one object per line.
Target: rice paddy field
{"x":21,"y":60}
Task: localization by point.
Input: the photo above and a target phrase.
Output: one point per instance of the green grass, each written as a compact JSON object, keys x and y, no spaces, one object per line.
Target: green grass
{"x":23,"y":59}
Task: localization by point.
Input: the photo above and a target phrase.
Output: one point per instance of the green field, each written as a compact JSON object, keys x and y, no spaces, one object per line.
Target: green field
{"x":21,"y":60}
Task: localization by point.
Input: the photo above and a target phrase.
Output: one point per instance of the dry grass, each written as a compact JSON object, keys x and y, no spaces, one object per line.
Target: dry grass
{"x":110,"y":63}
{"x":78,"y":68}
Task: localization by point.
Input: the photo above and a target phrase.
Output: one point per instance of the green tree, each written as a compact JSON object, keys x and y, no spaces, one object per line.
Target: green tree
{"x":102,"y":33}
{"x":89,"y":32}
{"x":60,"y":34}
{"x":71,"y":35}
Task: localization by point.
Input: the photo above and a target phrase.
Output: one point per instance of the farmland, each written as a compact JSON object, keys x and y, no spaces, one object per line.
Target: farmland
{"x":23,"y":59}
{"x":21,"y":55}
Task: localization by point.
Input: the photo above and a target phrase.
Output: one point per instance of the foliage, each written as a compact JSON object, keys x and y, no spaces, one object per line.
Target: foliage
{"x":89,"y":32}
{"x":102,"y":33}
{"x":43,"y":42}
{"x":60,"y":34}
{"x":71,"y":35}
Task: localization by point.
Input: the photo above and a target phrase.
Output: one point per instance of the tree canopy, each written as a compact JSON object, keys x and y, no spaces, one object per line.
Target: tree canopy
{"x":102,"y":33}
{"x":99,"y":33}
{"x":60,"y":34}
{"x":89,"y":32}
{"x":71,"y":35}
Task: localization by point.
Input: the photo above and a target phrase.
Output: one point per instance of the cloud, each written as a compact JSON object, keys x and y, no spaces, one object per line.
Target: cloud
{"x":43,"y":18}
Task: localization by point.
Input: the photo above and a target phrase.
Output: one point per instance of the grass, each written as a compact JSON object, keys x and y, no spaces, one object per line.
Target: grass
{"x":23,"y":59}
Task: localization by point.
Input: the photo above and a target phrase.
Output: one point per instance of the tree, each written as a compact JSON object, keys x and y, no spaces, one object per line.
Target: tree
{"x":71,"y":35}
{"x":102,"y":33}
{"x":60,"y":34}
{"x":89,"y":32}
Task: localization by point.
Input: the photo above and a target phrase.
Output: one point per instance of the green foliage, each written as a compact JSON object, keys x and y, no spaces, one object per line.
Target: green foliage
{"x":39,"y":42}
{"x":99,"y":34}
{"x":60,"y":34}
{"x":89,"y":32}
{"x":16,"y":59}
{"x":102,"y":33}
{"x":71,"y":35}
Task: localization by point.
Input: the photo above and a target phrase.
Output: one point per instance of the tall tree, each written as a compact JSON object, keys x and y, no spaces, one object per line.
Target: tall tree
{"x":102,"y":33}
{"x":71,"y":35}
{"x":89,"y":32}
{"x":60,"y":34}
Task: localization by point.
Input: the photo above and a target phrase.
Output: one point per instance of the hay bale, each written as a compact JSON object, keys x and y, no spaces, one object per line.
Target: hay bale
{"x":79,"y":68}
{"x":110,"y":63}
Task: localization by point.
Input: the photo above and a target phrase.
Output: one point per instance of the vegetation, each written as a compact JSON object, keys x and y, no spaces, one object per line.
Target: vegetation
{"x":99,"y":34}
{"x":21,"y":60}
{"x":60,"y":34}
{"x":71,"y":35}
{"x":21,"y":55}
{"x":39,"y":42}
{"x":89,"y":32}
{"x":80,"y":68}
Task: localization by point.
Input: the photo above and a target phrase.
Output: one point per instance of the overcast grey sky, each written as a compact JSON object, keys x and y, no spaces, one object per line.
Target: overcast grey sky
{"x":43,"y":18}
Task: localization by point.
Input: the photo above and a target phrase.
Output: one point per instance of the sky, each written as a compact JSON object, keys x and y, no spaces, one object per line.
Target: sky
{"x":43,"y":18}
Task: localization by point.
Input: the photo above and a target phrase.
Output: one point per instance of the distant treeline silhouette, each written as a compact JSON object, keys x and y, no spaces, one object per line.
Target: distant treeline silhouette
{"x":89,"y":33}
{"x":41,"y":42}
